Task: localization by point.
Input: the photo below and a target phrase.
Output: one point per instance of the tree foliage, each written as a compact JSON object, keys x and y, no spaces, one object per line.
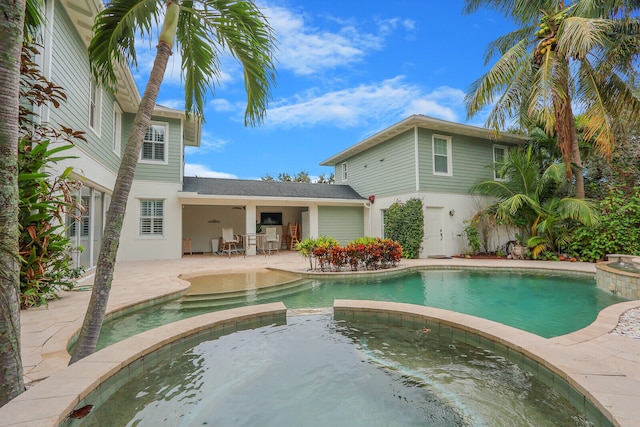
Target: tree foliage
{"x":404,"y":223}
{"x":302,"y":176}
{"x":527,"y":198}
{"x":564,"y":54}
{"x":45,"y":199}
{"x":618,"y":231}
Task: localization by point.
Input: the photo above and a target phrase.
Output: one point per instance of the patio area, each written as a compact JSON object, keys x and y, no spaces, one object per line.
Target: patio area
{"x":607,"y":364}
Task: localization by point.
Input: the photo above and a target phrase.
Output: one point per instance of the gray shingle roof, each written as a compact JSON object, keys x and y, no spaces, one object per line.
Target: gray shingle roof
{"x":240,"y":187}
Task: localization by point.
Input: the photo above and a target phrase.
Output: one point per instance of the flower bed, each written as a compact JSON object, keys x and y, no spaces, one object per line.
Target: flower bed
{"x":366,"y":253}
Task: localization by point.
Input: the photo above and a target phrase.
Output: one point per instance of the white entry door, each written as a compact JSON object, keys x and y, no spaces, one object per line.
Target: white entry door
{"x":433,"y":243}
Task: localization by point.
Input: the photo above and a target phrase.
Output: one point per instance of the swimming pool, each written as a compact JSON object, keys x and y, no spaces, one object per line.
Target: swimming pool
{"x":316,"y":371}
{"x":542,"y":303}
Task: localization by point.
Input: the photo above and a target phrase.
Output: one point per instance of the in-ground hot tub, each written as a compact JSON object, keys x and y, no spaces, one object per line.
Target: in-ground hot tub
{"x":620,"y":275}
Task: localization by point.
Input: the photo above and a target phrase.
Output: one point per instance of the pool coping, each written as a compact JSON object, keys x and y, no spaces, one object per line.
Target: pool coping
{"x":49,"y":402}
{"x":570,"y":357}
{"x":47,"y":331}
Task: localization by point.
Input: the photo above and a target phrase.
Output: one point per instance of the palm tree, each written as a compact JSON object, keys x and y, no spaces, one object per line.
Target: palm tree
{"x":203,"y":30}
{"x":564,"y":55}
{"x":18,"y":19}
{"x":527,"y":198}
{"x":11,"y":33}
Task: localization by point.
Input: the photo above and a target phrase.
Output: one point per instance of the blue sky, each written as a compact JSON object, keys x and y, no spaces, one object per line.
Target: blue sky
{"x":346,"y":70}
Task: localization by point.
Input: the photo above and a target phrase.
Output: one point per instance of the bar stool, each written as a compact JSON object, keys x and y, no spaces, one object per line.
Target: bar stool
{"x":186,"y":246}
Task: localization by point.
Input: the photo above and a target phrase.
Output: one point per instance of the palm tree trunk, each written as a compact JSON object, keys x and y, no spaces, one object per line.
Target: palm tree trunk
{"x":576,"y":158}
{"x":568,"y":137}
{"x":11,"y":34}
{"x":94,"y":317}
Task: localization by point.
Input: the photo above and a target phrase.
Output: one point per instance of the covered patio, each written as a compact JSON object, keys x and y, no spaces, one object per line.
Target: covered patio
{"x":210,"y":205}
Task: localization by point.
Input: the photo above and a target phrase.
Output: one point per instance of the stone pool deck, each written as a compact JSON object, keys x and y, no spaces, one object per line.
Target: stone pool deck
{"x":607,"y":365}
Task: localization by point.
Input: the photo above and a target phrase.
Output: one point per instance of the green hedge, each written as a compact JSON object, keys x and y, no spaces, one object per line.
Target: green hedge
{"x":618,"y":231}
{"x":404,"y":223}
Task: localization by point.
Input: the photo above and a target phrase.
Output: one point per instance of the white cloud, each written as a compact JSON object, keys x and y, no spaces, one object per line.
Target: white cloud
{"x":388,"y":100}
{"x":176,"y":104}
{"x":208,"y":144}
{"x":443,"y":103}
{"x":192,"y":169}
{"x":307,"y":50}
{"x":222,"y":105}
{"x":389,"y":25}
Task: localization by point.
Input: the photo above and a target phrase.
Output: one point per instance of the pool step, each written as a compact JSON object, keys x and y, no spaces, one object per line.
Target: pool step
{"x":238,"y":297}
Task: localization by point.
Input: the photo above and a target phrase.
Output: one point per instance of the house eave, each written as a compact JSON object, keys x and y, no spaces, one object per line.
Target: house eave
{"x":422,"y":121}
{"x":234,"y":199}
{"x":82,"y":13}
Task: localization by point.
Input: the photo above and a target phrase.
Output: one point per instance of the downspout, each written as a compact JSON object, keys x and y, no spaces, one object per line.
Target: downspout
{"x":417,"y":162}
{"x":368,"y":205}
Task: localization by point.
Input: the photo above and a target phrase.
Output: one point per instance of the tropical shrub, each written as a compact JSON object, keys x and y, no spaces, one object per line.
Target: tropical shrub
{"x":316,"y":250}
{"x":45,"y":199}
{"x":368,"y":253}
{"x":617,"y":232}
{"x":404,"y":223}
{"x":472,"y":235}
{"x":45,"y":251}
{"x":528,"y":198}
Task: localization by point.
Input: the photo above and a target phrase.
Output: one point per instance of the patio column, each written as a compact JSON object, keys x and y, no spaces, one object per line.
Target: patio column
{"x":250,"y":225}
{"x":313,"y":221}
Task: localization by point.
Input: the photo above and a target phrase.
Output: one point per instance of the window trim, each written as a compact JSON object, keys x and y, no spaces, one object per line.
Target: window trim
{"x":345,"y":171}
{"x":449,"y":155}
{"x":95,"y":107}
{"x":117,"y":130}
{"x":493,"y":152}
{"x":166,"y":146}
{"x":151,"y":235}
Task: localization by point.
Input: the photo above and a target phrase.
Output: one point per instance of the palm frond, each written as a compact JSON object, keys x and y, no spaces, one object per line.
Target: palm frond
{"x":241,"y":28}
{"x":483,"y":91}
{"x":521,"y":11}
{"x":581,"y":210}
{"x":200,"y":57}
{"x":578,"y":36}
{"x":114,"y":31}
{"x":502,"y":44}
{"x":33,"y":17}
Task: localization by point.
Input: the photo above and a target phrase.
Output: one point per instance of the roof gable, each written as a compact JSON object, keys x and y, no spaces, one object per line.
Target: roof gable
{"x":425,"y":122}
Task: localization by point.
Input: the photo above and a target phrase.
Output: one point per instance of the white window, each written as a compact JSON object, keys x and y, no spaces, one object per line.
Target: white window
{"x":383,"y":215}
{"x":499,"y":156}
{"x":151,"y":217}
{"x":441,"y":146}
{"x":154,"y":147}
{"x":83,"y":221}
{"x":117,"y":129}
{"x":345,"y":171}
{"x":95,"y":105}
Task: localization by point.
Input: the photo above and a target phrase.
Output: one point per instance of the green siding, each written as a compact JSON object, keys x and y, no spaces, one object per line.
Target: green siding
{"x":158,"y":172}
{"x":384,"y":170}
{"x":70,"y":70}
{"x":342,"y":223}
{"x":471,"y":158}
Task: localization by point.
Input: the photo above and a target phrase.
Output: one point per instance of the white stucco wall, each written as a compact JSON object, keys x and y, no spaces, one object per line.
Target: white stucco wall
{"x":136,"y":247}
{"x":463,"y":207}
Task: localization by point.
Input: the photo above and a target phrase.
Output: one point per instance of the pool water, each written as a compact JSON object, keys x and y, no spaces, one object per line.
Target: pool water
{"x":544,"y":304}
{"x":315,"y":371}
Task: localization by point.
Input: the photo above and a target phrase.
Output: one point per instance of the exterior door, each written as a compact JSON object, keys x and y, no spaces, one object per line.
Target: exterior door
{"x":433,"y":223}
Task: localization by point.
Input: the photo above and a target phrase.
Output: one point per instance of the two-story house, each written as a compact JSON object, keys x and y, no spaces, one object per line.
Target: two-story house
{"x":420,"y":157}
{"x":106,"y":118}
{"x":434,"y":160}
